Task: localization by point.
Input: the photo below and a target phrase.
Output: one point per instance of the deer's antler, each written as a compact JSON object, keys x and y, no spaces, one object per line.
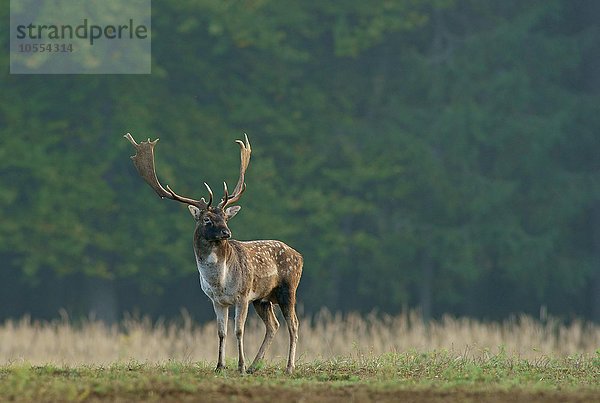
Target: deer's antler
{"x":245,"y":151}
{"x":144,"y":163}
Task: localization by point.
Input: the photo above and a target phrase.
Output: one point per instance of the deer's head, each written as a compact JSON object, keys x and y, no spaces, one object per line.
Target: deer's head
{"x":211,"y":221}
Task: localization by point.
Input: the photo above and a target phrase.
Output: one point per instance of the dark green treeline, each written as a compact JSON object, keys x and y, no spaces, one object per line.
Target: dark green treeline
{"x":436,"y":154}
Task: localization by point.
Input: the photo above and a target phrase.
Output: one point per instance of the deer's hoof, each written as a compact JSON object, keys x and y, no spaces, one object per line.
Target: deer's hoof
{"x":255,"y":366}
{"x":220,"y":367}
{"x":289,"y":370}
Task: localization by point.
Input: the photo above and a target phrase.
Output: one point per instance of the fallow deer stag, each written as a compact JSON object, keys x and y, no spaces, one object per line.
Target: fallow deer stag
{"x":235,"y":273}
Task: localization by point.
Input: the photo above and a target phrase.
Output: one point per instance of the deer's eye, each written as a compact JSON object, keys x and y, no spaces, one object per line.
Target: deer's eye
{"x":207,"y":221}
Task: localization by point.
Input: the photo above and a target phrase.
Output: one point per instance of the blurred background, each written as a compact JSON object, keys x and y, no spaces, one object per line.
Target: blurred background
{"x":440,"y":155}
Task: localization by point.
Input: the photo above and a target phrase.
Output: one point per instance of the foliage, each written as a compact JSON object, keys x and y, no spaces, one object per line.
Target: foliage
{"x":440,"y":154}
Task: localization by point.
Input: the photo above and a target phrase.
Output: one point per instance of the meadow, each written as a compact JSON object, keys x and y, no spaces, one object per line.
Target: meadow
{"x":341,"y":357}
{"x":324,"y":336}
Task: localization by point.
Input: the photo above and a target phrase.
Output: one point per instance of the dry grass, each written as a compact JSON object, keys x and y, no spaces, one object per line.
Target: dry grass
{"x":325,"y":336}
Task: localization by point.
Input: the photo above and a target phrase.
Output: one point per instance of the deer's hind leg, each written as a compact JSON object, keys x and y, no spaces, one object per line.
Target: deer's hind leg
{"x":287,"y":303}
{"x":266,"y":313}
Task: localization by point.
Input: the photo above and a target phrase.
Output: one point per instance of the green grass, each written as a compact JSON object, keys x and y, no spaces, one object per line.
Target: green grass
{"x":439,"y":375}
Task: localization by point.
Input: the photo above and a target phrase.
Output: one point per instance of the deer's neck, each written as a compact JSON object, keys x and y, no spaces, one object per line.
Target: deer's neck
{"x":214,"y":261}
{"x":212,"y":250}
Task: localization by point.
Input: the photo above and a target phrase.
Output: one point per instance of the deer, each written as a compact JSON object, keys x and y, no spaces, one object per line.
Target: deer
{"x":235,"y":273}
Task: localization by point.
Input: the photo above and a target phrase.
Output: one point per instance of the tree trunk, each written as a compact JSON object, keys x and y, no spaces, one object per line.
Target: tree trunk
{"x":102,"y":300}
{"x":588,"y":15}
{"x":426,"y":290}
{"x":595,"y":280}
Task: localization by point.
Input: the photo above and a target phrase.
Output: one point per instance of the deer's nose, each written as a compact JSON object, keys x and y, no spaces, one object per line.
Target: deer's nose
{"x":225,"y":233}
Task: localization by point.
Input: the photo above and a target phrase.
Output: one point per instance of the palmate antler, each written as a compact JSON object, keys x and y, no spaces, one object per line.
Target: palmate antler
{"x":144,"y":163}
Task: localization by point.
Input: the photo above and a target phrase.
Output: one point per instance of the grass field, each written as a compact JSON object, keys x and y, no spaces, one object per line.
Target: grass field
{"x":325,"y":336}
{"x":436,"y":376}
{"x":342,"y":358}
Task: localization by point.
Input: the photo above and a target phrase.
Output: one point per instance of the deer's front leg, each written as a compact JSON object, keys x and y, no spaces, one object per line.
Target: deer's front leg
{"x":241,"y":311}
{"x":222,"y":313}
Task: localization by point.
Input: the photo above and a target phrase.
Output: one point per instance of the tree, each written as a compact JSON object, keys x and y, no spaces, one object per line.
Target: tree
{"x":439,"y":154}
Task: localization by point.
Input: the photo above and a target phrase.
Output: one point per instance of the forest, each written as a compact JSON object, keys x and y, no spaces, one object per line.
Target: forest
{"x":439,"y":155}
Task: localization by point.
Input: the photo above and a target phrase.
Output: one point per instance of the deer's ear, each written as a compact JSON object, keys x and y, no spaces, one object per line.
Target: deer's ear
{"x":230,"y":212}
{"x":194,"y":211}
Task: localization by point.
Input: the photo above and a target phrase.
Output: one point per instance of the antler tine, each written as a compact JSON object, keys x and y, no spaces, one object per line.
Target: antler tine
{"x":226,"y":194}
{"x":201,"y":204}
{"x":210,"y":194}
{"x":245,"y":151}
{"x":143,"y":160}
